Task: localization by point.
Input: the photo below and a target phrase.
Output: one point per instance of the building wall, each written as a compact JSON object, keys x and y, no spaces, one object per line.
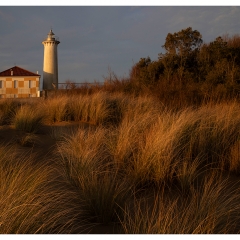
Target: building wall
{"x":22,"y":89}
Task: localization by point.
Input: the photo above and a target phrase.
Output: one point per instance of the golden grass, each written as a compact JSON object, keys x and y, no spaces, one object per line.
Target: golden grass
{"x":27,"y":119}
{"x":87,"y":167}
{"x":210,"y":208}
{"x":133,"y":144}
{"x":27,"y":139}
{"x":82,"y":152}
{"x":7,"y":110}
{"x":86,"y":108}
{"x":54,"y":109}
{"x":29,"y":203}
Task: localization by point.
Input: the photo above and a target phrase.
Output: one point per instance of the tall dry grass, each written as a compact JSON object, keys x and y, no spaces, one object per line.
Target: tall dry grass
{"x":87,"y":167}
{"x":152,"y":145}
{"x":147,"y":130}
{"x":133,"y":144}
{"x":28,"y":119}
{"x":186,"y":141}
{"x":31,"y":201}
{"x":137,"y":115}
{"x":86,"y":108}
{"x":8,"y":108}
{"x":95,"y":109}
{"x":54,"y":109}
{"x":209,"y":208}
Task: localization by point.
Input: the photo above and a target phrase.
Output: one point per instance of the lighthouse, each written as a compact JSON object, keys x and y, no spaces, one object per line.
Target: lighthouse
{"x":50,"y":62}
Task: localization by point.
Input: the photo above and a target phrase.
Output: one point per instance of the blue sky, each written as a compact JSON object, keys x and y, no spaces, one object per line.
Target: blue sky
{"x":94,"y":39}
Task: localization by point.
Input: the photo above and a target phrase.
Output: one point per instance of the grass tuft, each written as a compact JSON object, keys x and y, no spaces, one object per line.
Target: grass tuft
{"x":29,"y":201}
{"x":27,"y":119}
{"x":206,"y":210}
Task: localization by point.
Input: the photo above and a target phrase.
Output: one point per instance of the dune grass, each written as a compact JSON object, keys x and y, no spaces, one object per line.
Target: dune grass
{"x":152,"y":148}
{"x":27,"y":119}
{"x":8,"y":109}
{"x":187,"y":158}
{"x":54,"y":109}
{"x":30,"y":202}
{"x":207,"y":209}
{"x":88,"y":169}
{"x":27,"y":139}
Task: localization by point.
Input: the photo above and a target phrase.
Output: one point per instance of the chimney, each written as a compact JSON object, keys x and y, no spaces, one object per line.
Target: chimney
{"x":37,"y":72}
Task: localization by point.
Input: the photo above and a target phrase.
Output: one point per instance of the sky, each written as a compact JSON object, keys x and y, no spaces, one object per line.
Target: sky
{"x":97,"y":40}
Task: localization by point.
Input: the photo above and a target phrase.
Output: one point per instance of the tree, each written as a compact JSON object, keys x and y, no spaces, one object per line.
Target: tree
{"x":169,"y":63}
{"x":183,"y":42}
{"x":139,"y":70}
{"x":146,"y":72}
{"x":182,"y":47}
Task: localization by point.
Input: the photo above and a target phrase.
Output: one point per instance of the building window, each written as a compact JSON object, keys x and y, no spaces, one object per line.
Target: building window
{"x":30,"y":83}
{"x":15,"y":95}
{"x":15,"y":83}
{"x":1,"y":83}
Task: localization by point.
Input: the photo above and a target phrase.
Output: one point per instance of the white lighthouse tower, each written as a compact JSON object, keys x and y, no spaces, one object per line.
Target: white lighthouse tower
{"x":50,"y":62}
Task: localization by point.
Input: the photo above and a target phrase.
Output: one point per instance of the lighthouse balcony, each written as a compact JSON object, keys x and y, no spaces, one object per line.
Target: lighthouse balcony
{"x":55,"y":38}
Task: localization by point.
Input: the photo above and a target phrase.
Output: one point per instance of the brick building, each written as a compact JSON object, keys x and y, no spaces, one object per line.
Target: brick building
{"x":17,"y":82}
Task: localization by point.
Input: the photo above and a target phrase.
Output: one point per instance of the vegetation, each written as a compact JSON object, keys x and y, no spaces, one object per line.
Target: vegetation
{"x":192,"y":68}
{"x":156,"y":153}
{"x":29,"y":204}
{"x":158,"y":161}
{"x":27,"y":119}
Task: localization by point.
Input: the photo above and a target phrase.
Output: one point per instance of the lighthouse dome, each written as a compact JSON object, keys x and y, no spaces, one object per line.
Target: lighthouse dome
{"x":51,"y":35}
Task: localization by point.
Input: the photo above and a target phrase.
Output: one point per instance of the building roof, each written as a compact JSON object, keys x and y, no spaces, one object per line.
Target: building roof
{"x":17,"y":71}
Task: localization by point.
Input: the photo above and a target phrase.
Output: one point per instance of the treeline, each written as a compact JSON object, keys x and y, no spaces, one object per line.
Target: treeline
{"x":189,"y":72}
{"x":188,"y":59}
{"x":191,"y":69}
